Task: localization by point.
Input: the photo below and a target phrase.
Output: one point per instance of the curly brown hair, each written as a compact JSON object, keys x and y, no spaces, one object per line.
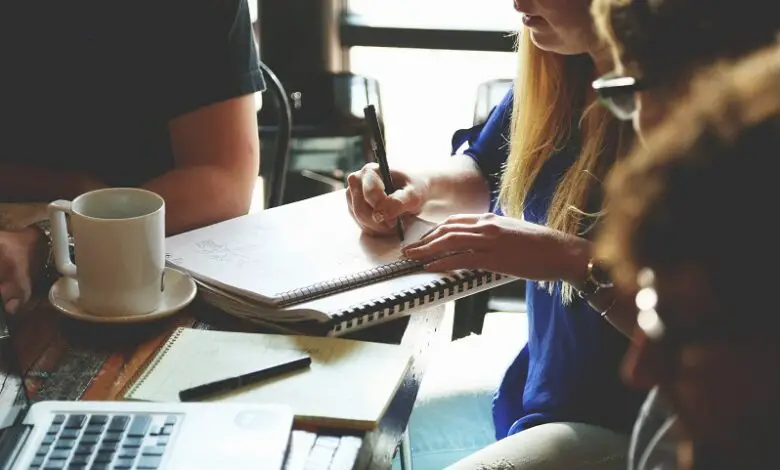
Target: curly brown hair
{"x":702,"y":192}
{"x":668,"y":39}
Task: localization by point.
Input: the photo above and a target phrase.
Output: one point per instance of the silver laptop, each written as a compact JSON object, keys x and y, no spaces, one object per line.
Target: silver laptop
{"x":133,"y":435}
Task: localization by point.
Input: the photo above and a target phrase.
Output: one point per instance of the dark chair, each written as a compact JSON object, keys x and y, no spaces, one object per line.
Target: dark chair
{"x":274,"y":187}
{"x":327,"y":136}
{"x":489,"y":94}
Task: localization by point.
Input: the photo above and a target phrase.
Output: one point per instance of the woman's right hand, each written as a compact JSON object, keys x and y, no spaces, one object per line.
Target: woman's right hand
{"x":376,"y":212}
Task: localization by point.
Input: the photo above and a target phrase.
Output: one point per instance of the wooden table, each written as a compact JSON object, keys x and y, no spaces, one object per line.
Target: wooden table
{"x":65,"y":359}
{"x":69,"y":360}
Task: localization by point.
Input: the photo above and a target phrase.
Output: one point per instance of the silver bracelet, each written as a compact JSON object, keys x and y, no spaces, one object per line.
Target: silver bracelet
{"x":45,"y":229}
{"x":605,"y":312}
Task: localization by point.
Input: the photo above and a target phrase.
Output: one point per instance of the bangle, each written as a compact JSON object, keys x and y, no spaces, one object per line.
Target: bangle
{"x":596,"y":279}
{"x":605,"y":312}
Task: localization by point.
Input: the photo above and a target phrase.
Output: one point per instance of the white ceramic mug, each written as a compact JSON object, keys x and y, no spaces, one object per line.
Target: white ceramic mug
{"x":119,"y":238}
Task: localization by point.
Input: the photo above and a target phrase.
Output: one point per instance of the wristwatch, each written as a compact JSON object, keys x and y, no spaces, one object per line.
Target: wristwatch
{"x":49,"y":270}
{"x":596,"y":279}
{"x":48,"y":266}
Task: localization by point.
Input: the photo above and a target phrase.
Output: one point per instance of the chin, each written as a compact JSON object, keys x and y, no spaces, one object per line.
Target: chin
{"x":549,"y":42}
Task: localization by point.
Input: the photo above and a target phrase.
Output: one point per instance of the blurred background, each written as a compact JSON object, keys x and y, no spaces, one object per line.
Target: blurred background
{"x":429,"y":66}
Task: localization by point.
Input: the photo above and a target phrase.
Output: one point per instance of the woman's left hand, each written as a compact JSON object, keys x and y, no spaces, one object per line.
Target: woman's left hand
{"x":504,"y":245}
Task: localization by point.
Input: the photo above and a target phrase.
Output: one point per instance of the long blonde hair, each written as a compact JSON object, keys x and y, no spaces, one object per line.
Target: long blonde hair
{"x":551,"y":91}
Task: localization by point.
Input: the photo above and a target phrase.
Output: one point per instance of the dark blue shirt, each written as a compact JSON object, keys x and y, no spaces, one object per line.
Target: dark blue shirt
{"x":91,"y":86}
{"x":568,"y":371}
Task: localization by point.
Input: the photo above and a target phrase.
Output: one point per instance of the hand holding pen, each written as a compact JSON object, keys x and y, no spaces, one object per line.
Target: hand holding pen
{"x":376,"y":207}
{"x":380,"y":155}
{"x":374,"y":210}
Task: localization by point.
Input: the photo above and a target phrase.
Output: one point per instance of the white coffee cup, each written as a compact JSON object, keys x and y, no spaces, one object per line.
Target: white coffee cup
{"x":119,"y":239}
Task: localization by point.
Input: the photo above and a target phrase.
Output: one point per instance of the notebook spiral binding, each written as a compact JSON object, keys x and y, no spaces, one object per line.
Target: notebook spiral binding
{"x":344,"y":283}
{"x":148,"y":365}
{"x":382,"y":309}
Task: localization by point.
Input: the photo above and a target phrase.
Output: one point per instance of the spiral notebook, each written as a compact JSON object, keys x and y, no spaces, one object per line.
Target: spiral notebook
{"x":349,"y":384}
{"x":308,"y":262}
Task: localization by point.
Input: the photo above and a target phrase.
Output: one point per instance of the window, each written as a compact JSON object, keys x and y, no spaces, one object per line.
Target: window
{"x":488,"y":15}
{"x":427,"y":94}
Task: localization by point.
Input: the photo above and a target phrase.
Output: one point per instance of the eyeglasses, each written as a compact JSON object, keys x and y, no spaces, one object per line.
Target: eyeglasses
{"x":616,"y":93}
{"x":646,"y":302}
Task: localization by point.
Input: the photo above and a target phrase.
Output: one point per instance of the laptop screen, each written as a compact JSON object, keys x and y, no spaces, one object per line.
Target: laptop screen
{"x":13,"y":399}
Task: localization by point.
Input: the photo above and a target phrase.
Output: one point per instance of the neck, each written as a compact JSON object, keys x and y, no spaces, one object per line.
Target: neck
{"x":602,"y":59}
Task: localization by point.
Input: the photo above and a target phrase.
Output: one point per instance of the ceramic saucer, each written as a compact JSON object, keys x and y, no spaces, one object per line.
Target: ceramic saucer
{"x":180,"y":289}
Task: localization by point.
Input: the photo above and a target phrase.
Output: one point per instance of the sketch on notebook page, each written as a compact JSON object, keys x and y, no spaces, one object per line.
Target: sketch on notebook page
{"x":239,"y":257}
{"x":268,"y":255}
{"x":221,"y":253}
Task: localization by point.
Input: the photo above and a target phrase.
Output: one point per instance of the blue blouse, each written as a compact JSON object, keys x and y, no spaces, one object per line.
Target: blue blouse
{"x":568,"y":371}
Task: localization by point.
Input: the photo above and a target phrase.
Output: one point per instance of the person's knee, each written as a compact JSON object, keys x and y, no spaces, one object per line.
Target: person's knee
{"x":555,"y":446}
{"x":500,"y":464}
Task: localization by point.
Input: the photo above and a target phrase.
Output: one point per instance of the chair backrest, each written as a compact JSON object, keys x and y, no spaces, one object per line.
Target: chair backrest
{"x":490,"y":94}
{"x":326,"y":132}
{"x":278,"y":172}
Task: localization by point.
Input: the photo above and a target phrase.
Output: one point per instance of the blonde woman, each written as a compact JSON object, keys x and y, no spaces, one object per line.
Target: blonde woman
{"x":537,"y":164}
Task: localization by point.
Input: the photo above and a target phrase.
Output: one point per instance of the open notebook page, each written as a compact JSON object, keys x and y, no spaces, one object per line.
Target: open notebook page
{"x":349,"y":384}
{"x":266,"y":254}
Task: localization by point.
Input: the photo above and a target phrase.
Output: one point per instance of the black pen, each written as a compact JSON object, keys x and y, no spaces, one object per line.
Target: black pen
{"x":232,"y":383}
{"x":380,"y":154}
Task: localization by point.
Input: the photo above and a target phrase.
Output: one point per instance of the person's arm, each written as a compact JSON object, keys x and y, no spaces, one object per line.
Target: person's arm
{"x":474,"y":176}
{"x":216,"y":158}
{"x":210,"y":82}
{"x":455,"y":184}
{"x":216,"y":163}
{"x":621,"y":311}
{"x":618,"y":309}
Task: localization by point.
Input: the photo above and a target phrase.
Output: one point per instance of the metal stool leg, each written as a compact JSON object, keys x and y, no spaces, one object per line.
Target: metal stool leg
{"x":406,"y":452}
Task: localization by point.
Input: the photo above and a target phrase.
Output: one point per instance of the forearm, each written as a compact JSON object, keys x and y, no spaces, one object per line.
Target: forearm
{"x":619,"y":310}
{"x":201,"y":195}
{"x":26,"y":183}
{"x":456,"y":183}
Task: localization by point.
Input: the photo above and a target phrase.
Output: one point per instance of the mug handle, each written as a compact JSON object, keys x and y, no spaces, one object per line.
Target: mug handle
{"x":59,"y":237}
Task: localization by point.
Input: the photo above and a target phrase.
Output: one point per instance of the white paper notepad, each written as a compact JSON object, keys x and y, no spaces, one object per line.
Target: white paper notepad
{"x":349,"y":384}
{"x":309,"y":262}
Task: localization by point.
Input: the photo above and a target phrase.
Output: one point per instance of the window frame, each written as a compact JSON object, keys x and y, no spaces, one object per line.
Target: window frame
{"x":355,"y":30}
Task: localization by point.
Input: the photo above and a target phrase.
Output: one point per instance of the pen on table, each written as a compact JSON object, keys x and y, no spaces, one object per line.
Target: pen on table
{"x":232,"y":383}
{"x":380,"y":154}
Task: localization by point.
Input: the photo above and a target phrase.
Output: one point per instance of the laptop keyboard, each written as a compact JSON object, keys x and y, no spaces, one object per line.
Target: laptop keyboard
{"x":105,"y":442}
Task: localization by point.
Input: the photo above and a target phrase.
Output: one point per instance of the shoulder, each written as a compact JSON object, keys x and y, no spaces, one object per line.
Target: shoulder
{"x":209,"y":54}
{"x":500,"y":116}
{"x":504,"y":107}
{"x":191,"y":14}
